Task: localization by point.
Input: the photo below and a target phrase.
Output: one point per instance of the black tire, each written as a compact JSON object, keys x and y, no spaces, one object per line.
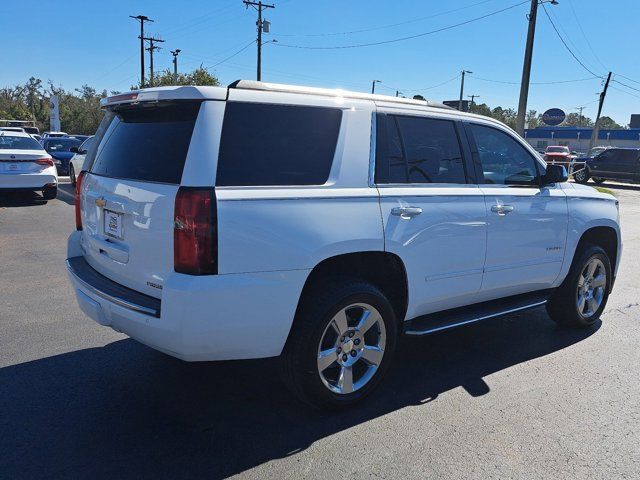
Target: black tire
{"x":598,"y":180}
{"x":72,"y":174}
{"x":299,"y":360}
{"x":49,"y":193}
{"x":563,"y":306}
{"x":582,"y":175}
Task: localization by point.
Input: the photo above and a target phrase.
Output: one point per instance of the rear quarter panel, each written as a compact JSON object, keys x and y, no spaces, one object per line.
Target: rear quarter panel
{"x":289,"y":228}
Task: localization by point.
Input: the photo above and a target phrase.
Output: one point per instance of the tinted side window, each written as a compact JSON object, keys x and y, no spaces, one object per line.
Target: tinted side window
{"x":420,"y":150}
{"x":504,"y":160}
{"x":267,"y":144}
{"x":147,"y":143}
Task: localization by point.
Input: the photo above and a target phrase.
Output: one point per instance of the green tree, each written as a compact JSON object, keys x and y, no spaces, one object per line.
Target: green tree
{"x":574,"y":120}
{"x":609,"y":123}
{"x":199,"y":76}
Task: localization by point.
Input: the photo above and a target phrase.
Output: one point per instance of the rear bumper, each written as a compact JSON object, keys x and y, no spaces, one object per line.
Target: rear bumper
{"x":26,"y":181}
{"x":217,"y":317}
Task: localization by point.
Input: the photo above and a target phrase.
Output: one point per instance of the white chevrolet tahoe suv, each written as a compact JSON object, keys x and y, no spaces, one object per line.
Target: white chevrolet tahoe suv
{"x":317,"y":225}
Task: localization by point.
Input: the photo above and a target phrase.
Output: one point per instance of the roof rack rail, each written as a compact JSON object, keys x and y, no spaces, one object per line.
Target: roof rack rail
{"x":330,"y":92}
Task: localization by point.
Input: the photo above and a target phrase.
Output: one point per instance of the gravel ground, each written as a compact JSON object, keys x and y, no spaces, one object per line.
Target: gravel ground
{"x":509,"y":398}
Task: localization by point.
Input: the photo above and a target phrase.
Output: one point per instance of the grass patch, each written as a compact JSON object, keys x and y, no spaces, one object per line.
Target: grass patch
{"x":605,"y":190}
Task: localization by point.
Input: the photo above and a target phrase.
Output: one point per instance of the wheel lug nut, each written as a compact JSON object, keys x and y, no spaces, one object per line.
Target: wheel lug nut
{"x":338,"y":350}
{"x":344,"y":357}
{"x":353,"y":353}
{"x":356,"y":341}
{"x":350,"y":334}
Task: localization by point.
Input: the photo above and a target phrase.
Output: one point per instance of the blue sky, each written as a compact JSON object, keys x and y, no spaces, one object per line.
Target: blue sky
{"x":73,"y":42}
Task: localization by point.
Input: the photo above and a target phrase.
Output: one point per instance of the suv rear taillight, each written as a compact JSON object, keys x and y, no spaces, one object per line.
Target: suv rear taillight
{"x":195,"y":239}
{"x":77,"y":200}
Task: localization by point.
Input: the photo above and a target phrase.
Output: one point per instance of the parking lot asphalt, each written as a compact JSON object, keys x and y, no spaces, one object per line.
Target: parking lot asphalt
{"x":515,"y":397}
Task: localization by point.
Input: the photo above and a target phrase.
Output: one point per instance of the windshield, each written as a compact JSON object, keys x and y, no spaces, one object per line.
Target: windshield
{"x":61,"y":144}
{"x":10,"y":142}
{"x":557,"y":150}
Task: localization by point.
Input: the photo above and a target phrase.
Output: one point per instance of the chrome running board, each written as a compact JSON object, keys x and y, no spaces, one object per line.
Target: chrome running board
{"x":439,"y":321}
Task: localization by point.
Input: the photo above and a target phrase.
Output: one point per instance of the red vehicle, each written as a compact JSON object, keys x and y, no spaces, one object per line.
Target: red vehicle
{"x":558,"y":155}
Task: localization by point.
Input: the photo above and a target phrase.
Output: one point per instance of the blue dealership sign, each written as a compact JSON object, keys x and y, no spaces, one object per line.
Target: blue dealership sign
{"x":553,"y":117}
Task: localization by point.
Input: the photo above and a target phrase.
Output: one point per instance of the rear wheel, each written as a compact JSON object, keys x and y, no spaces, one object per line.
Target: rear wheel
{"x":340,"y":345}
{"x":581,"y":176}
{"x":72,"y":174}
{"x":598,"y":180}
{"x":581,"y":298}
{"x":49,"y":193}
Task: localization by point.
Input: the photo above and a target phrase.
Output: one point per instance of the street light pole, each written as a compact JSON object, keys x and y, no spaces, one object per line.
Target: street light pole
{"x":526,"y":67}
{"x":175,"y":64}
{"x":462,"y":89}
{"x":373,"y":86}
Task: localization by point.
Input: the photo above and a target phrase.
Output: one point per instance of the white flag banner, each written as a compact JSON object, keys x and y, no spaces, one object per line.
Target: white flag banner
{"x":54,"y":113}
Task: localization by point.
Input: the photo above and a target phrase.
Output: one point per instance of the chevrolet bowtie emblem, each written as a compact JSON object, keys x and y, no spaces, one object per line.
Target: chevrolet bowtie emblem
{"x":101,"y":202}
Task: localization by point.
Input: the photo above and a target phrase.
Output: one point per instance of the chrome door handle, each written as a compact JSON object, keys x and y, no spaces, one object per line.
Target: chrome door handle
{"x":502,"y":210}
{"x":406,"y":212}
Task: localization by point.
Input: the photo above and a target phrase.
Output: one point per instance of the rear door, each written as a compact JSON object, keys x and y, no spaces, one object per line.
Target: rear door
{"x":128,"y":195}
{"x":434,"y":219}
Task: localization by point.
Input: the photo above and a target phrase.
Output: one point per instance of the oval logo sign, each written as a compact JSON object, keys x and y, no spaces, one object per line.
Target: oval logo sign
{"x":553,"y":117}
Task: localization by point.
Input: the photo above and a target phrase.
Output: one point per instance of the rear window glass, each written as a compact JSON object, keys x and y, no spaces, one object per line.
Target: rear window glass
{"x":266,"y":144}
{"x":10,"y":142}
{"x":146,"y":143}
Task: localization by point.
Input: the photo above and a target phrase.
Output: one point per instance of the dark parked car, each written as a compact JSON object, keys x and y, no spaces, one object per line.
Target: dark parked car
{"x":60,"y":149}
{"x":612,"y":164}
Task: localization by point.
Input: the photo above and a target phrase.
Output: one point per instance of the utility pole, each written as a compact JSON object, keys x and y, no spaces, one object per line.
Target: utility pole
{"x":259,"y":6}
{"x":580,"y":109}
{"x":141,"y":19}
{"x":594,"y":134}
{"x":473,"y":97}
{"x":152,"y":47}
{"x":526,"y":67}
{"x":175,"y":64}
{"x":462,"y":89}
{"x":373,"y":86}
{"x":398,"y":92}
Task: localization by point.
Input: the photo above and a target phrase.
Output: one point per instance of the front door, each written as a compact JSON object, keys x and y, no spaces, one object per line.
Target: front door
{"x":527,"y":223}
{"x":434,"y":220}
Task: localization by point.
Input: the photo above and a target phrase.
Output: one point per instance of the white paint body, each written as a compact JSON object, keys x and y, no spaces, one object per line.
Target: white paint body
{"x":457,"y":252}
{"x":18,"y":169}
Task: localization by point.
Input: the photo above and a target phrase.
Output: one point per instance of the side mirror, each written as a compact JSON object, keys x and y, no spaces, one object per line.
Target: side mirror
{"x":74,"y":150}
{"x":555,"y":174}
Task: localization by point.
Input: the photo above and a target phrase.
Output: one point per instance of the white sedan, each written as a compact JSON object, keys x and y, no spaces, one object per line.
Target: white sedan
{"x":25,"y":165}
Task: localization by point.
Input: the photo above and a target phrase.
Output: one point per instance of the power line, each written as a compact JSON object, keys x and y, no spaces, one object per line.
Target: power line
{"x":624,"y":91}
{"x":565,"y":43}
{"x":382,"y":27}
{"x":625,"y":85}
{"x":410,"y":37}
{"x":536,"y":83}
{"x":630,"y":79}
{"x":233,"y":54}
{"x":584,"y":35}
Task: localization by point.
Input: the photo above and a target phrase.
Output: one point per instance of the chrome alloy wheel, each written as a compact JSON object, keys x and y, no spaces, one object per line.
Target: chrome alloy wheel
{"x":351,"y":348}
{"x":591,"y":287}
{"x":580,"y":175}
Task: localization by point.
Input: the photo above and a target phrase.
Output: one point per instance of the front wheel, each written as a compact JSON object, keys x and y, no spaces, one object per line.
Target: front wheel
{"x":581,"y":298}
{"x":340,"y":345}
{"x":598,"y":180}
{"x":581,"y":176}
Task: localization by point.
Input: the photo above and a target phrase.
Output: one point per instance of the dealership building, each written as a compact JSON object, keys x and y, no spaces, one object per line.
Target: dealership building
{"x":577,"y":138}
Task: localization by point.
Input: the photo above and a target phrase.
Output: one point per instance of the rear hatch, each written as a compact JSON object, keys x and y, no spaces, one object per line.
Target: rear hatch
{"x":127,"y":197}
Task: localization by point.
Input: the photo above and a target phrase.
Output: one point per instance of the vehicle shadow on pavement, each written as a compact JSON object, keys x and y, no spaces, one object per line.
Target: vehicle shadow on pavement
{"x":66,"y":193}
{"x":126,"y":411}
{"x":21,"y":199}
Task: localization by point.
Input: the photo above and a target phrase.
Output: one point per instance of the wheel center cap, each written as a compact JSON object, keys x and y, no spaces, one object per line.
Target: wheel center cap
{"x":347,"y":345}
